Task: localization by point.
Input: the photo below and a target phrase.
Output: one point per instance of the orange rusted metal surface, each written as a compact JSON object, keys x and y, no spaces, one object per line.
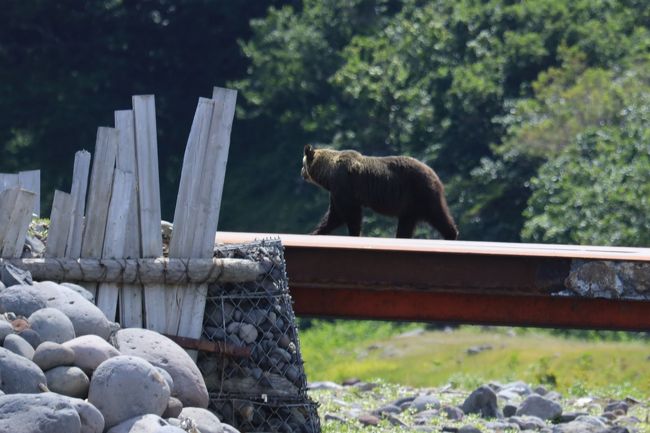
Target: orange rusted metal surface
{"x":443,"y":281}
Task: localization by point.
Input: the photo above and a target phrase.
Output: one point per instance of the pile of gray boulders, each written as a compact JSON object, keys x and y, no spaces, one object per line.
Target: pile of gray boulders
{"x":64,"y":367}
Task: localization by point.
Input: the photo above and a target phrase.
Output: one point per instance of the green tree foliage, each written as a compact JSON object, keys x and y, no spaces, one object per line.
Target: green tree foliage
{"x":482,"y":91}
{"x":66,"y":65}
{"x":495,"y":95}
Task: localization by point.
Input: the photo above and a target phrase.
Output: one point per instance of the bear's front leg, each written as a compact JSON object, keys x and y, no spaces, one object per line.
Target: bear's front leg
{"x":330,"y":221}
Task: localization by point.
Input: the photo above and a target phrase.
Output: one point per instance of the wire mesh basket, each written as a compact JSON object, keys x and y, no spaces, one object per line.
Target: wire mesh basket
{"x":261,"y":386}
{"x":284,"y":415}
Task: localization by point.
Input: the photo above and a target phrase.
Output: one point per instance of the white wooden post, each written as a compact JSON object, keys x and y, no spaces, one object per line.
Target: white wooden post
{"x":146,"y":145}
{"x":78,"y":193}
{"x":130,"y":294}
{"x":20,"y":204}
{"x":60,"y":219}
{"x":31,"y":181}
{"x":117,"y":231}
{"x":99,"y":195}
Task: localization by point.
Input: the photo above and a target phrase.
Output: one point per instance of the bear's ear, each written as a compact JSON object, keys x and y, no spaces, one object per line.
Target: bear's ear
{"x":309,"y":152}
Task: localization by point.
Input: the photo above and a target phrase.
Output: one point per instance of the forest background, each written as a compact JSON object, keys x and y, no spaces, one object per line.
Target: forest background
{"x":534,"y":114}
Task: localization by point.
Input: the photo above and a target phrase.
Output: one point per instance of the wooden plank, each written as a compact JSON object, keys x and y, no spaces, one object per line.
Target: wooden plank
{"x":146,"y":145}
{"x":207,"y":176}
{"x":60,"y":218}
{"x":193,"y":305}
{"x":21,"y":215}
{"x":99,"y":195}
{"x":78,"y":192}
{"x":115,"y":239}
{"x":8,"y":199}
{"x":31,"y":181}
{"x":187,"y":209}
{"x":130,"y":294}
{"x":8,"y":181}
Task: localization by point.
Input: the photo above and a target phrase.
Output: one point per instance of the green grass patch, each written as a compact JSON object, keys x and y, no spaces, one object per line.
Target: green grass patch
{"x":368,"y":350}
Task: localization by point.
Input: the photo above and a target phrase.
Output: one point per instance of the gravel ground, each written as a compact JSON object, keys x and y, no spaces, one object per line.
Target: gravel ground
{"x":493,"y":407}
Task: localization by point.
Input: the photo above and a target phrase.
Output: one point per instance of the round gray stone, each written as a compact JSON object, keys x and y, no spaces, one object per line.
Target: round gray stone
{"x":170,"y":429}
{"x":482,"y":401}
{"x":124,"y":387}
{"x":206,"y":421}
{"x":49,"y":355}
{"x":5,"y":329}
{"x":20,"y":300}
{"x":469,"y":429}
{"x":70,"y":381}
{"x":528,"y":422}
{"x":424,"y":402}
{"x":52,"y":325}
{"x":37,"y":413}
{"x":577,"y":427}
{"x":31,"y":336}
{"x":142,"y":424}
{"x":19,"y":346}
{"x":536,"y":405}
{"x":19,"y":374}
{"x":92,"y":421}
{"x":90,"y":351}
{"x":173,"y":409}
{"x":82,"y":291}
{"x":189,"y":386}
{"x":86,"y":318}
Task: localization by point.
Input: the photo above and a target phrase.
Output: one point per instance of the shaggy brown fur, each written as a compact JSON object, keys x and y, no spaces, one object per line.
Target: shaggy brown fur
{"x":397,"y":186}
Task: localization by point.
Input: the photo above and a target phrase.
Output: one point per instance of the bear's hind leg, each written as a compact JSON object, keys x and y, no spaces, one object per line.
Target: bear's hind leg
{"x":405,"y":226}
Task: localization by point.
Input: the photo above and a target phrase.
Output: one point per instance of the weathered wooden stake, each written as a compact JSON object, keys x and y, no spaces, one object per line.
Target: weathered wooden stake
{"x":60,"y":219}
{"x":117,"y":230}
{"x":146,"y":145}
{"x":198,"y":202}
{"x":130,"y":294}
{"x":78,"y":192}
{"x":16,"y":206}
{"x":99,"y":195}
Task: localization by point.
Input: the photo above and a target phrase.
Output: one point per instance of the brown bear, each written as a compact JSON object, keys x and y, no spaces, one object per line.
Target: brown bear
{"x":398,"y":186}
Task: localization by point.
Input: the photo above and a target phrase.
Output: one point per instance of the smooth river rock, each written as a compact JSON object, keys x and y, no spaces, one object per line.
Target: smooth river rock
{"x":19,"y":346}
{"x":52,"y":325}
{"x":86,"y":318}
{"x":49,"y":355}
{"x":19,"y":374}
{"x":70,"y":381}
{"x":90,"y":351}
{"x":38,"y":413}
{"x":145,"y":424}
{"x":189,"y":386}
{"x":20,"y":300}
{"x":206,"y":421}
{"x":124,"y":387}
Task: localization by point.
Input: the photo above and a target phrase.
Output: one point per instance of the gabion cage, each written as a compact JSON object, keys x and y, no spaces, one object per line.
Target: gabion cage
{"x":285,"y":415}
{"x":265,"y":389}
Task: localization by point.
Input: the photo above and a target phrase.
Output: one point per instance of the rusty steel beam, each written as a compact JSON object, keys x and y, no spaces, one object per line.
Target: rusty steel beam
{"x":440,"y":281}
